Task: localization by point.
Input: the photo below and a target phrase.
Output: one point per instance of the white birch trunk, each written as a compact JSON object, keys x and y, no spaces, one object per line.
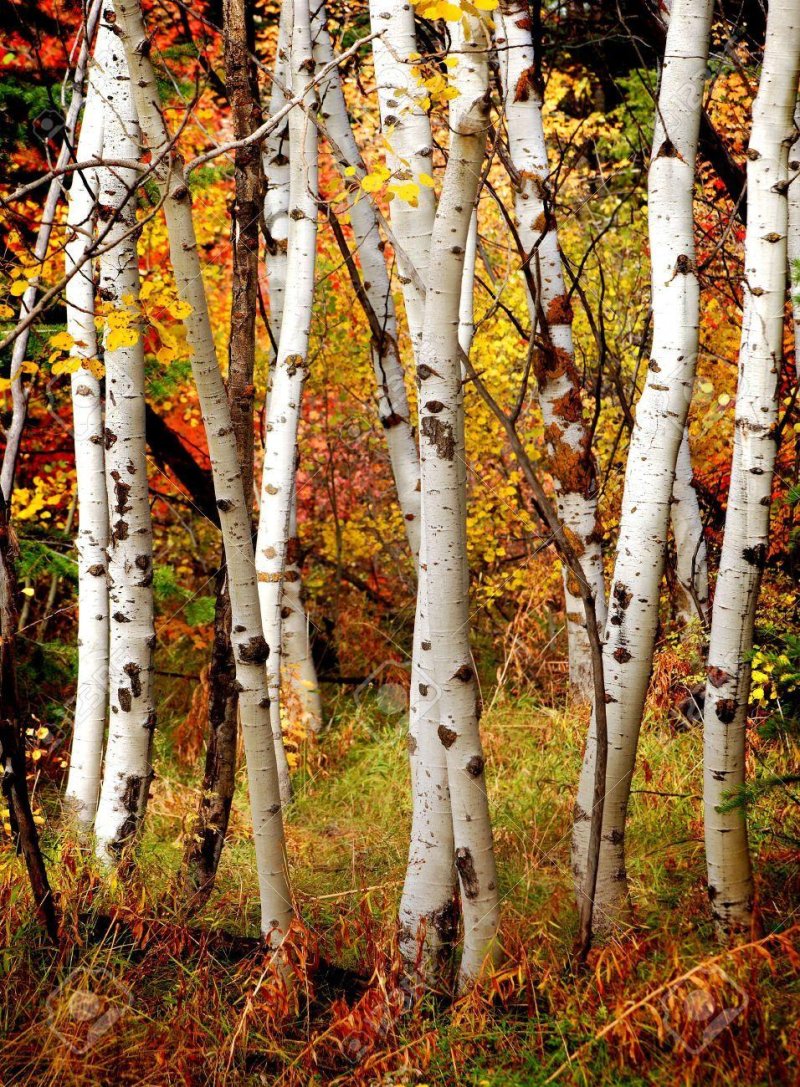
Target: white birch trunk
{"x":443,"y":507}
{"x":426,"y":906}
{"x":19,"y":392}
{"x":793,"y":238}
{"x":567,"y":433}
{"x":298,"y":670}
{"x":746,"y":542}
{"x":690,"y":543}
{"x":655,"y":441}
{"x":249,"y":647}
{"x":407,"y":130}
{"x":83,"y":783}
{"x":291,"y":367}
{"x":132,"y":721}
{"x":393,"y":409}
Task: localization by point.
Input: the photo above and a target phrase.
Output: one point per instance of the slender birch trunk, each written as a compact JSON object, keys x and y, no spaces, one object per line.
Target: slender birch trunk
{"x":19,"y":392}
{"x":250,"y":648}
{"x":427,"y":915}
{"x":298,"y":670}
{"x":793,"y":237}
{"x":204,"y":846}
{"x":746,"y":542}
{"x":407,"y":131}
{"x":690,"y":542}
{"x":655,"y":441}
{"x":83,"y":783}
{"x":291,"y":367}
{"x":443,"y":506}
{"x":393,"y":409}
{"x":568,"y":432}
{"x":128,"y":772}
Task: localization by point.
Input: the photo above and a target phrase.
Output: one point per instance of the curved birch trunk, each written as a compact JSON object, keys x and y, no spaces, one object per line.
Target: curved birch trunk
{"x":567,"y":430}
{"x":250,"y":649}
{"x":746,"y":542}
{"x":690,"y":542}
{"x":298,"y":664}
{"x":393,"y":409}
{"x":443,"y":507}
{"x":290,"y":369}
{"x":132,"y":721}
{"x":83,"y":783}
{"x":658,"y":431}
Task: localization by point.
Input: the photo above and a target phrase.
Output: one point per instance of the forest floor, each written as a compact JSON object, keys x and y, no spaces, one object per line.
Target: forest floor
{"x":146,"y":991}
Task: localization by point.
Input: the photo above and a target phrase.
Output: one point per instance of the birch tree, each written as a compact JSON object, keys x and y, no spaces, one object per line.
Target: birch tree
{"x":793,"y":237}
{"x":655,"y":441}
{"x":250,"y":648}
{"x":690,"y":544}
{"x":746,"y":541}
{"x":393,"y":410}
{"x":567,"y":431}
{"x":291,"y":366}
{"x":204,"y":846}
{"x":127,"y":773}
{"x":444,"y":505}
{"x":83,"y":783}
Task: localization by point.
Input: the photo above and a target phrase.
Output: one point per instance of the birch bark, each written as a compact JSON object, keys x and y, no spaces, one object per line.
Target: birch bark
{"x":291,"y":367}
{"x":655,"y":442}
{"x":19,"y":393}
{"x":746,"y":541}
{"x":567,"y":433}
{"x":132,"y":721}
{"x":250,"y":649}
{"x":793,"y":237}
{"x":427,"y":915}
{"x":443,"y":506}
{"x":393,"y":409}
{"x":83,"y":782}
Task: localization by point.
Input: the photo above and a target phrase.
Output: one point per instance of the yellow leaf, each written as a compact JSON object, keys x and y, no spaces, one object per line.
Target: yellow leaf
{"x":181,"y":310}
{"x":371,"y":183}
{"x":121,"y":337}
{"x":66,"y":366}
{"x":27,"y":591}
{"x":426,"y":180}
{"x":19,"y":288}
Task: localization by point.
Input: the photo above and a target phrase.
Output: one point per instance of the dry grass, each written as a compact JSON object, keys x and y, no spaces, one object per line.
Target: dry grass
{"x":142,"y":992}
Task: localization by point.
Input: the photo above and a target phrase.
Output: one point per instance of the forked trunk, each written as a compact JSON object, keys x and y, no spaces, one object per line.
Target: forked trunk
{"x":746,"y":542}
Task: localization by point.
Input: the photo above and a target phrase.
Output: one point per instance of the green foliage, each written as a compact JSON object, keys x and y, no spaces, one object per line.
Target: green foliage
{"x":200,"y":611}
{"x":37,"y":558}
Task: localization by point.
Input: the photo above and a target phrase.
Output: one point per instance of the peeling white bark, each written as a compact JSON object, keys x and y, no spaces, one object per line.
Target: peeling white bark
{"x":291,"y":366}
{"x":567,"y":433}
{"x":746,"y":542}
{"x":249,"y":646}
{"x":443,"y":507}
{"x":132,"y":720}
{"x":659,"y":429}
{"x":83,"y":783}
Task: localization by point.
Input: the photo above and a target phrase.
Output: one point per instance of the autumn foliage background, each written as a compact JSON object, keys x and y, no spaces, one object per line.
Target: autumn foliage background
{"x":204,"y":1009}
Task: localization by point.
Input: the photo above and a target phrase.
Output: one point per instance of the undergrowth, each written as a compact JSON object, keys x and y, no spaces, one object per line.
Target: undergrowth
{"x":147,"y":989}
